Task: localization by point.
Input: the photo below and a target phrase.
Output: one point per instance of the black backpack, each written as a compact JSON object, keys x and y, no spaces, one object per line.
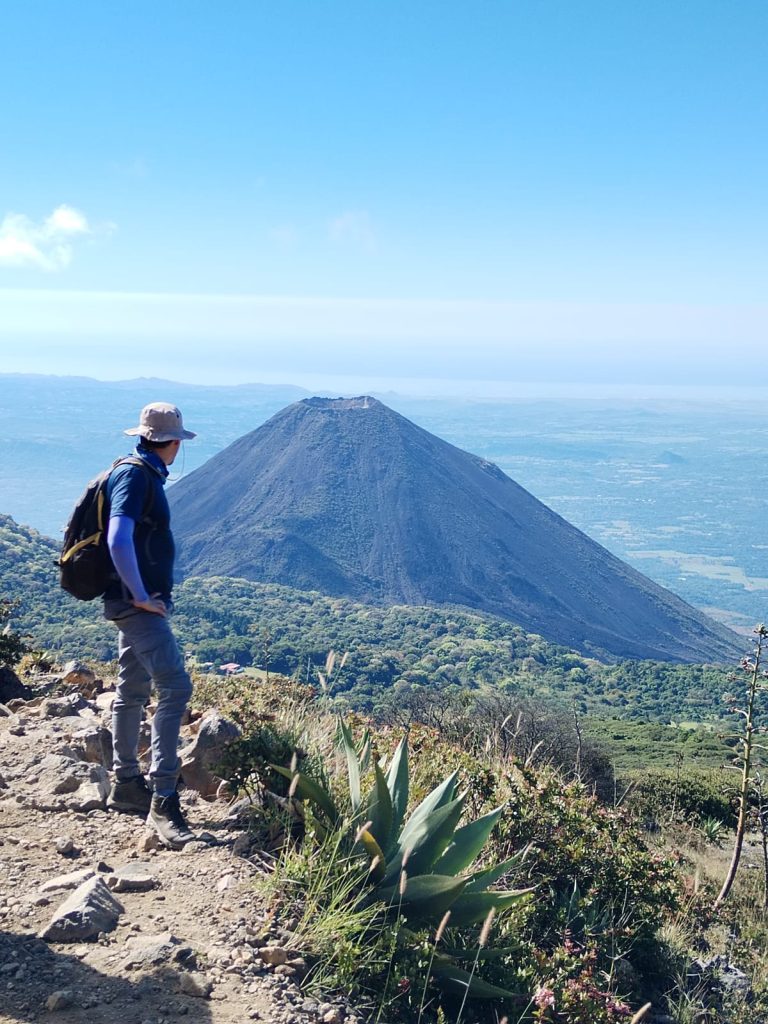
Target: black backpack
{"x":85,"y":565}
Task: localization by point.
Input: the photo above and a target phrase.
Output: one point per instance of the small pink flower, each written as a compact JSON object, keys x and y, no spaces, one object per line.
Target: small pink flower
{"x":544,"y":997}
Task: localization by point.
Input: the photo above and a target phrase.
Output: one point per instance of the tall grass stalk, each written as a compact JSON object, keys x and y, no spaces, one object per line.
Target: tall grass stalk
{"x":438,"y":936}
{"x":747,"y":742}
{"x":395,"y":932}
{"x":485,"y":931}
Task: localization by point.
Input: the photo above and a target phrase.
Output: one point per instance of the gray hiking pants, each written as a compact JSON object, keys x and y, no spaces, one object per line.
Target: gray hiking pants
{"x":148,"y":654}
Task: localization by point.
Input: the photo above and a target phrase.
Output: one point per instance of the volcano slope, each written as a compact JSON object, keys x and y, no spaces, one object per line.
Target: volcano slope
{"x":347,"y":497}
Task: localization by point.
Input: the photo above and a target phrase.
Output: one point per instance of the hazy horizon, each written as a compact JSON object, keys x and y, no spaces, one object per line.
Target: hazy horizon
{"x":512,"y":192}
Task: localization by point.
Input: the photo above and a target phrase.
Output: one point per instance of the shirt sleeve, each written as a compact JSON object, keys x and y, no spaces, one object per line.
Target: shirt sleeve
{"x":128,"y":492}
{"x":120,"y":543}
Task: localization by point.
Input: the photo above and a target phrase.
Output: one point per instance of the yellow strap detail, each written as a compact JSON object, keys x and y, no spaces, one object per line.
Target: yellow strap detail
{"x":93,"y":539}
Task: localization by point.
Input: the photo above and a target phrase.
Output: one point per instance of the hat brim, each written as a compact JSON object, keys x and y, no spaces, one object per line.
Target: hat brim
{"x":185,"y":435}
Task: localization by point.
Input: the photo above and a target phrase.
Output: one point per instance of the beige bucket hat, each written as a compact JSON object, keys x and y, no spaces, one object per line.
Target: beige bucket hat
{"x":161,"y":421}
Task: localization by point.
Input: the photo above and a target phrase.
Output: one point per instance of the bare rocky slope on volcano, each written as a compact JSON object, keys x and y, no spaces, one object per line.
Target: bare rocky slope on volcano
{"x":349,"y":498}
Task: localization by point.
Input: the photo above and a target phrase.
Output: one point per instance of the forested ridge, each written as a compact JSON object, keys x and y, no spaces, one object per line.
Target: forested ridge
{"x":391,"y":650}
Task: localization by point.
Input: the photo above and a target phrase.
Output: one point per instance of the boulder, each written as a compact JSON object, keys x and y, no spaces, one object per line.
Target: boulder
{"x":62,"y":707}
{"x":200,"y":757}
{"x":63,"y":783}
{"x":90,"y":910}
{"x":77,"y":674}
{"x":94,"y":744}
{"x":11,"y":687}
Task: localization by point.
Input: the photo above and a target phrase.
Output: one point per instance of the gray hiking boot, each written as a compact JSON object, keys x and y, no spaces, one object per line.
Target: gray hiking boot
{"x":167,"y":819}
{"x":132,"y":796}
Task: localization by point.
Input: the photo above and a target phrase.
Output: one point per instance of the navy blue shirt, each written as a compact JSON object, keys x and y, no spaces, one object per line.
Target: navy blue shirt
{"x":127,"y":493}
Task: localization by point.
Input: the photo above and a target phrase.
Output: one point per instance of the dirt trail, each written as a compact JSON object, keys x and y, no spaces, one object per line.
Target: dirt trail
{"x":192,"y":941}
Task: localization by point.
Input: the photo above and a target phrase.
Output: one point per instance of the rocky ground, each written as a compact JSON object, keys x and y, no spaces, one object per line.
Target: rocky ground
{"x":98,"y":923}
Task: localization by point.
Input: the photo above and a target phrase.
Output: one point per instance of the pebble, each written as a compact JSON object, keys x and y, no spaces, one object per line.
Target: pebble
{"x":64,"y":845}
{"x":273,"y":955}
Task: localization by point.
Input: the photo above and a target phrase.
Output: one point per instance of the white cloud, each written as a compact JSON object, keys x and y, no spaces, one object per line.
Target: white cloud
{"x":43,"y":246}
{"x":353,"y":227}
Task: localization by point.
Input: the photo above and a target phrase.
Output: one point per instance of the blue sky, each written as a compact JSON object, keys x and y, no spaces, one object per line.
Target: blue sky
{"x":569,"y":190}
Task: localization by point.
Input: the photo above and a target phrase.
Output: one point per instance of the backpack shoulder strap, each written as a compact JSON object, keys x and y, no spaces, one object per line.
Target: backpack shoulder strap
{"x":134,"y":460}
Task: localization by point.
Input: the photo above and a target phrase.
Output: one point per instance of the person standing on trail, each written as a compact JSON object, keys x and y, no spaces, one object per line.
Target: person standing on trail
{"x":138,"y":601}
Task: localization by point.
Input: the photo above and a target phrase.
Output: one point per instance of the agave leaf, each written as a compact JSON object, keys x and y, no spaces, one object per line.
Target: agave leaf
{"x":308,"y":789}
{"x":489,"y":876}
{"x":365,"y":752}
{"x":426,"y":842}
{"x":479,"y":954}
{"x":379,"y":810}
{"x":467,"y":842}
{"x":426,"y":897}
{"x":439,"y":796}
{"x":472,"y":907}
{"x":454,"y":979}
{"x":397,"y":783}
{"x":353,"y":766}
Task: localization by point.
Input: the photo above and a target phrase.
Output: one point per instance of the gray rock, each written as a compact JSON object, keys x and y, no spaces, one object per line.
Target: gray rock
{"x":94,"y":744}
{"x":195,"y":985}
{"x":69,"y":881}
{"x":136,"y":877}
{"x":11,"y":687}
{"x":213,"y":736}
{"x":147,"y":951}
{"x":241,"y":845}
{"x":90,"y":910}
{"x":64,"y":845}
{"x":62,"y":707}
{"x":75,"y":673}
{"x":64,"y":783}
{"x":60,"y":1000}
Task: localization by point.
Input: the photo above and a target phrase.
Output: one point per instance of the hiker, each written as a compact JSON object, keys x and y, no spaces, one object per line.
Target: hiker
{"x":138,"y":601}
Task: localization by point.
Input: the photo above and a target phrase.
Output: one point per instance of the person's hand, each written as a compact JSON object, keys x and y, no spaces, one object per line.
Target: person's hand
{"x":152,"y":604}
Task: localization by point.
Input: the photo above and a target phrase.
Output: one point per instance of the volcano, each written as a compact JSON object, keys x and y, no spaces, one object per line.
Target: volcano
{"x":347,"y":497}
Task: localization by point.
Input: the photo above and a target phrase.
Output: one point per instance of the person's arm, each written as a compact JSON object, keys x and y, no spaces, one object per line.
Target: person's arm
{"x":123,"y":552}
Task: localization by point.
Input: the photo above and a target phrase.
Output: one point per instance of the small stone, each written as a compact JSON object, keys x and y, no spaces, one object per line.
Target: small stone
{"x":148,"y":842}
{"x":190,"y":849}
{"x":226,"y":882}
{"x":71,"y":881}
{"x":333,"y":1016}
{"x":147,"y":951}
{"x":64,"y":845}
{"x":196,"y":985}
{"x":273,"y":955}
{"x":60,"y":1000}
{"x":132,"y":878}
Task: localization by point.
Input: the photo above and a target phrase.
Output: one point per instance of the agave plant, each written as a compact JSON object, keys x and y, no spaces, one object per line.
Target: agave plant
{"x":419,"y":866}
